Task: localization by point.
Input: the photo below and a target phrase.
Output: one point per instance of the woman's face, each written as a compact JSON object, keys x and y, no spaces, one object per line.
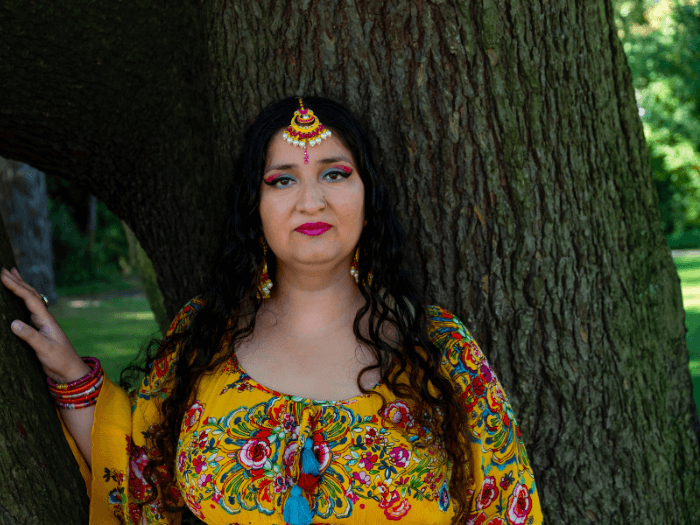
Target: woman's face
{"x":326,"y":190}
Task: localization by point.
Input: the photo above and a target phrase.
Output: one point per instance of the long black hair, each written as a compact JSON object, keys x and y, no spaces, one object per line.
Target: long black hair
{"x":231,"y":295}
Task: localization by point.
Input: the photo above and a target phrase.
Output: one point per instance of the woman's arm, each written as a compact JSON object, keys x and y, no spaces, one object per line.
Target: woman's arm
{"x":57,"y":356}
{"x":79,"y":421}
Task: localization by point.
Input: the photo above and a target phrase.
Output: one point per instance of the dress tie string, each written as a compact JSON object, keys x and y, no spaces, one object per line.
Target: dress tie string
{"x":296,"y":509}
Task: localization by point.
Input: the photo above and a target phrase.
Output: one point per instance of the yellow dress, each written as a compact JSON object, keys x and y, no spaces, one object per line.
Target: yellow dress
{"x":242,"y":446}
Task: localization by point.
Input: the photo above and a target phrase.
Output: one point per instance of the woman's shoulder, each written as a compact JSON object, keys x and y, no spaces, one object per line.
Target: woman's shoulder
{"x":444,"y":326}
{"x":458,"y":346}
{"x":184,"y":316}
{"x":162,"y":367}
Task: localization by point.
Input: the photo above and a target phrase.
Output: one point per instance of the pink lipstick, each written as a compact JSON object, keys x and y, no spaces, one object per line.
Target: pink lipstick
{"x":313,"y":228}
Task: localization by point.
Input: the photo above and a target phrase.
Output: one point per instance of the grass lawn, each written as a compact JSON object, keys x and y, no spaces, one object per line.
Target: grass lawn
{"x":688,"y":267}
{"x":113,"y":330}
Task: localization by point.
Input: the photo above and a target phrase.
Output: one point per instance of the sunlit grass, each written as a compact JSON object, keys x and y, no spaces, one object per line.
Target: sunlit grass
{"x":112,"y":330}
{"x":688,"y":267}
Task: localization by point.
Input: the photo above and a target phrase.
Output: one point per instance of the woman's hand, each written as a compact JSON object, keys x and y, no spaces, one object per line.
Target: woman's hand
{"x":58,"y":357}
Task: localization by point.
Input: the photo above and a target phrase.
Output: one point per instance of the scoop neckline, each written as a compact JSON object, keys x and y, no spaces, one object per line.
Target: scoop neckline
{"x":300,"y":399}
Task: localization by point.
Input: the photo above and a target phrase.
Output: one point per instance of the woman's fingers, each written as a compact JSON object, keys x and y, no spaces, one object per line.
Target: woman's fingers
{"x":52,"y":347}
{"x":26,"y":333}
{"x":32,"y":298}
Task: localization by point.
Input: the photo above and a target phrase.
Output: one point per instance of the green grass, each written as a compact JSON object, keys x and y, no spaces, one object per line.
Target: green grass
{"x":113,"y":330}
{"x":688,"y":267}
{"x":117,"y":283}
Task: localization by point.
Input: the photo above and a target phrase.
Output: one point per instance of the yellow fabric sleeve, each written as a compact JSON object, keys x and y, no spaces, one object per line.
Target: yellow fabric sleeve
{"x":501,"y":483}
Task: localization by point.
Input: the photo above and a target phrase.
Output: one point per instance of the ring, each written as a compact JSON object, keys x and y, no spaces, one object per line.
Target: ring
{"x":45,"y":299}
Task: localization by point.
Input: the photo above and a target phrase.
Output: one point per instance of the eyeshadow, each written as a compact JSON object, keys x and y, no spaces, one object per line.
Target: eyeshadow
{"x":346,"y":169}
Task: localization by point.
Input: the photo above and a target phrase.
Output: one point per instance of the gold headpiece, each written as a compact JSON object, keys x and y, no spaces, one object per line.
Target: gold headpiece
{"x":305,"y":130}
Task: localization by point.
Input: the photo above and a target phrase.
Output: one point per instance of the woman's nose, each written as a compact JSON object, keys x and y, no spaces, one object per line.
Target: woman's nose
{"x":311,"y":198}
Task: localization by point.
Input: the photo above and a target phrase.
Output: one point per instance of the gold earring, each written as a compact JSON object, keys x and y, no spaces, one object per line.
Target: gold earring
{"x":265,"y":284}
{"x":354,"y":264}
{"x":354,"y":268}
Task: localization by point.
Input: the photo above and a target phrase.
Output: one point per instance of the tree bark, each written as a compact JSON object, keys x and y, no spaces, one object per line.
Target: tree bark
{"x":24,"y":207}
{"x":510,"y":139}
{"x":40,"y":481}
{"x":147,"y":276}
{"x":114,"y":98}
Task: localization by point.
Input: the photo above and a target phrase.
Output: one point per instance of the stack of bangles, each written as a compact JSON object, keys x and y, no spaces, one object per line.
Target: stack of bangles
{"x":82,"y":392}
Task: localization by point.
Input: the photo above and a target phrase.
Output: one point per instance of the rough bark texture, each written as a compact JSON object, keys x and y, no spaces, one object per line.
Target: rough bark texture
{"x":147,"y":276}
{"x":510,"y":139}
{"x":24,"y":208}
{"x":112,"y":97}
{"x":39,"y":478}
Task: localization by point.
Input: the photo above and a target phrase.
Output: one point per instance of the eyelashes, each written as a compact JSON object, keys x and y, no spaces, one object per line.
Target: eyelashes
{"x":343,"y":171}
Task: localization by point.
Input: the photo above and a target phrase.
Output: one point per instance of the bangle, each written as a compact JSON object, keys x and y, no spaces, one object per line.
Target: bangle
{"x":92,"y":362}
{"x":89,"y":390}
{"x":77,"y":389}
{"x":82,"y":392}
{"x":72,"y":406}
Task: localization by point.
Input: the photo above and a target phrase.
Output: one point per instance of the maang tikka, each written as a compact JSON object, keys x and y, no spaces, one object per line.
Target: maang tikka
{"x":305,"y":130}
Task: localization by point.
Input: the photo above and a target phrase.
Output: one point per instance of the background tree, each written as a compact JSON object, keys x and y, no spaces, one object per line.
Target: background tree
{"x":24,"y":208}
{"x":513,"y":148}
{"x":662,"y":41}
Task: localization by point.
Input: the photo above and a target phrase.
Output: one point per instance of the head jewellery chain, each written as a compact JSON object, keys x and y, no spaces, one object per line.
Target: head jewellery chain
{"x":305,"y":130}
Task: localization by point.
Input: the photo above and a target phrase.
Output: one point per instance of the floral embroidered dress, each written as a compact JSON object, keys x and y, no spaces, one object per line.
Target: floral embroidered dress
{"x":243,"y":449}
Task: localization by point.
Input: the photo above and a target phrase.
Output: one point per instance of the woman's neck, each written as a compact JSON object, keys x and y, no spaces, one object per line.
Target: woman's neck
{"x":308,"y":308}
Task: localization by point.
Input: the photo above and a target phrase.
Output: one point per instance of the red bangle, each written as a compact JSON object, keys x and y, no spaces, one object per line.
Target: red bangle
{"x":80,"y":388}
{"x":92,"y":362}
{"x":82,"y":392}
{"x":94,"y":387}
{"x":71,"y":406}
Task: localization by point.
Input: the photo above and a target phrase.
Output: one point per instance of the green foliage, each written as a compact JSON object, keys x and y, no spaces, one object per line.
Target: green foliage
{"x":662,"y":43}
{"x":73,"y":263}
{"x":74,"y":266}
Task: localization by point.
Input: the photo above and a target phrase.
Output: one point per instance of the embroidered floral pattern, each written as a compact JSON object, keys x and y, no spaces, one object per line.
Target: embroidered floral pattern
{"x":242,"y":447}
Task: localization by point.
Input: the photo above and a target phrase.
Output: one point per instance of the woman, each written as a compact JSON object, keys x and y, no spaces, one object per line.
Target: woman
{"x":308,"y":382}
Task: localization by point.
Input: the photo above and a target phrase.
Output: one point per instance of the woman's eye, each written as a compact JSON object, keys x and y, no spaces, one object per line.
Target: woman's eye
{"x":277,"y":182}
{"x":337,"y":175}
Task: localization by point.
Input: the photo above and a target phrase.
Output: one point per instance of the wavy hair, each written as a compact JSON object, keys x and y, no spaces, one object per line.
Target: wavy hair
{"x":231,"y":303}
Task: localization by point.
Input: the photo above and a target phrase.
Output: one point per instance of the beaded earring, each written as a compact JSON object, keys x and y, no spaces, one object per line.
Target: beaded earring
{"x":305,"y":129}
{"x":354,"y":268}
{"x":265,"y":284}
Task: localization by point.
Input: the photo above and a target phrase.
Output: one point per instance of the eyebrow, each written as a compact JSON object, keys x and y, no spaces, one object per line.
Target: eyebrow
{"x":329,"y":160}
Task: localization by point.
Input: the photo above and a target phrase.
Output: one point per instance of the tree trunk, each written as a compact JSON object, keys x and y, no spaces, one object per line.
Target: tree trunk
{"x":39,"y":478}
{"x":24,"y":206}
{"x":148,"y":279}
{"x":92,"y":226}
{"x":510,"y":139}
